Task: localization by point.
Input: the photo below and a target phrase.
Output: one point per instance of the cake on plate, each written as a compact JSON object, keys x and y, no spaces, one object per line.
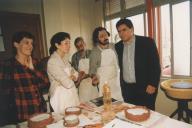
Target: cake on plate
{"x":71,"y":120}
{"x":40,"y":120}
{"x":137,"y":113}
{"x":73,"y":110}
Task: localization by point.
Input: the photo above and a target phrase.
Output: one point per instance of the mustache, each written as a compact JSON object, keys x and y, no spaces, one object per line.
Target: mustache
{"x":81,"y":50}
{"x":106,"y":40}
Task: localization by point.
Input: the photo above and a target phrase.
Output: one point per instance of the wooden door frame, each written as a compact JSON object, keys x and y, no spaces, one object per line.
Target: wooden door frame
{"x":40,"y":34}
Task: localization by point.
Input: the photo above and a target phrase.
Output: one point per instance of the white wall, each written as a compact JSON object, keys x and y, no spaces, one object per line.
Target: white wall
{"x":76,"y":17}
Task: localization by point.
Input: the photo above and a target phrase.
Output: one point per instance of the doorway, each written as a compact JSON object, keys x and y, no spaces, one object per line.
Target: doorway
{"x":12,"y":22}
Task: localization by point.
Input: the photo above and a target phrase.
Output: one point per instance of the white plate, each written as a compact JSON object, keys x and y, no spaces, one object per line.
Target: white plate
{"x":181,"y":85}
{"x":154,"y":118}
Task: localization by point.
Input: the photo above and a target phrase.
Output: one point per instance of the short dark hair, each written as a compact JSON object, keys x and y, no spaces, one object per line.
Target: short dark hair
{"x":125,"y":21}
{"x":77,"y":40}
{"x":96,"y":34}
{"x":18,"y":36}
{"x":56,"y":39}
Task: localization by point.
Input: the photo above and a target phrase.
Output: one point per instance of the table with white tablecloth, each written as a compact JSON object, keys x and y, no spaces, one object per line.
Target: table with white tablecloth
{"x":93,"y":116}
{"x":156,"y":120}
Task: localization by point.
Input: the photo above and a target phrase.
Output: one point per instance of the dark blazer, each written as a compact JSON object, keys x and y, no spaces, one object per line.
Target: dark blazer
{"x":147,"y":65}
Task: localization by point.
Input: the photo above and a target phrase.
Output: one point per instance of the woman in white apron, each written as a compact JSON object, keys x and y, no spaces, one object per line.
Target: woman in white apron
{"x":63,"y":92}
{"x":109,"y":72}
{"x":87,"y":92}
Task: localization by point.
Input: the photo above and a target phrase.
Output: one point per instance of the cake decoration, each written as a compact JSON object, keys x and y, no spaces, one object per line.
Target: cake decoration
{"x":137,"y":113}
{"x":73,"y":110}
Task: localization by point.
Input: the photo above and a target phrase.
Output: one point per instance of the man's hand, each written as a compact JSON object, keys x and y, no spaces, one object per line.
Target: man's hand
{"x":95,"y":80}
{"x":150,"y":89}
{"x":82,"y":75}
{"x":73,"y":78}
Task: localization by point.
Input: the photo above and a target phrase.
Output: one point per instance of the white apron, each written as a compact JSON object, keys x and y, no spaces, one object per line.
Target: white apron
{"x":61,"y":97}
{"x":86,"y":90}
{"x":109,"y":72}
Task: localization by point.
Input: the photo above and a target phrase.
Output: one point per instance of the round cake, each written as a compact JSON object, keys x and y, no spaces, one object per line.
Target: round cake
{"x":137,"y":113}
{"x":71,"y":120}
{"x":73,"y":110}
{"x":40,"y":120}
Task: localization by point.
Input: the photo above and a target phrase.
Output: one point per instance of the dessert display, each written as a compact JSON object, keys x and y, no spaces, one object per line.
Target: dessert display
{"x":107,"y":115}
{"x":137,"y":113}
{"x":107,"y":102}
{"x":40,"y":120}
{"x":73,"y":110}
{"x":71,"y":120}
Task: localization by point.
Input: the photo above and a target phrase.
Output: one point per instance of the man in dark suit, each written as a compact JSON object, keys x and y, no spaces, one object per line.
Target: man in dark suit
{"x":139,"y":66}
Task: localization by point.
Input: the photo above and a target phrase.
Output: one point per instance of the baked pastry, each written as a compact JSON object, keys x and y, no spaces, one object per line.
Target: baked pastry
{"x":119,"y":108}
{"x":40,"y":120}
{"x":137,"y":113}
{"x":97,"y":125}
{"x":73,"y":110}
{"x":71,"y":120}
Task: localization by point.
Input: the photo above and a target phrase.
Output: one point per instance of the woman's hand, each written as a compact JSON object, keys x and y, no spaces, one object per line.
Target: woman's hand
{"x":95,"y":80}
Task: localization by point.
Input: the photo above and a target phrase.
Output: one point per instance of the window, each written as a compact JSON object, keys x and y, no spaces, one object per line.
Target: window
{"x":181,"y":38}
{"x":112,"y":6}
{"x":2,"y":48}
{"x":174,"y":38}
{"x":133,"y":3}
{"x":138,"y":23}
{"x":163,"y":31}
{"x":114,"y":11}
{"x":111,"y":27}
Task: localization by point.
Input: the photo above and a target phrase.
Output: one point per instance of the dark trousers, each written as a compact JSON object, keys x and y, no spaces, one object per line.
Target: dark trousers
{"x":136,"y":94}
{"x":8,"y":110}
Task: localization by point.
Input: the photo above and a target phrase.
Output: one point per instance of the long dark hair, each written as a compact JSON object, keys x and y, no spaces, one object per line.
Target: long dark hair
{"x":56,"y":39}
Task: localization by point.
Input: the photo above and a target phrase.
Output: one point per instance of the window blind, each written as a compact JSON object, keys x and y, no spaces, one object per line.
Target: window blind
{"x":133,"y":3}
{"x":112,"y":7}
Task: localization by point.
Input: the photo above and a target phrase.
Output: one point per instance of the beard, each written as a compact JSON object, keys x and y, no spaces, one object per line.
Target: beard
{"x":105,"y":42}
{"x":81,"y":50}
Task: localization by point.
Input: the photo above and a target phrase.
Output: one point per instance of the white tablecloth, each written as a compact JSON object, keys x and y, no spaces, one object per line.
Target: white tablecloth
{"x":156,"y":120}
